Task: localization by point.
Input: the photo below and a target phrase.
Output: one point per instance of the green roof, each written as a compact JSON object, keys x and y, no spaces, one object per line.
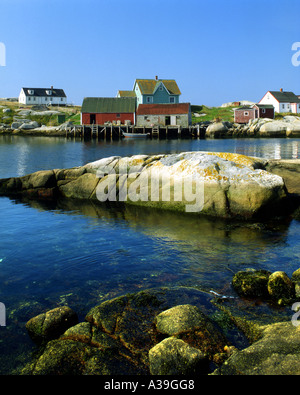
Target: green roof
{"x":148,"y":87}
{"x":285,"y":97}
{"x":127,"y":93}
{"x":108,"y":105}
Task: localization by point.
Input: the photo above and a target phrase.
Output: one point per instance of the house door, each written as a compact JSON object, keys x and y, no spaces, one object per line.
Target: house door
{"x":92,"y":119}
{"x":173,"y":120}
{"x":167,"y":120}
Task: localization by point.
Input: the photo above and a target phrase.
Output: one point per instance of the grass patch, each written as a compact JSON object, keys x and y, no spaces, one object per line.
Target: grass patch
{"x":280,"y":116}
{"x":72,"y":114}
{"x":211,"y":113}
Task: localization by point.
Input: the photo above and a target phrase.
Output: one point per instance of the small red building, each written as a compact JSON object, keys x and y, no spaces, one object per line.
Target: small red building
{"x":100,"y":110}
{"x":178,"y":114}
{"x":246,"y":114}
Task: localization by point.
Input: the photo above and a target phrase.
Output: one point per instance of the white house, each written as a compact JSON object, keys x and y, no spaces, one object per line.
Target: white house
{"x":282,"y":101}
{"x":46,"y":96}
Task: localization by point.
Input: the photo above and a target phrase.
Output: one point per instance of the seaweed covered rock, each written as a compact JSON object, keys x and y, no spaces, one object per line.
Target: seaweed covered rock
{"x":277,"y":352}
{"x":251,"y":283}
{"x":51,"y":325}
{"x":175,"y":357}
{"x":194,"y":340}
{"x":281,"y":288}
{"x":118,"y":334}
{"x":265,"y":285}
{"x":296,"y":280}
{"x":179,"y":319}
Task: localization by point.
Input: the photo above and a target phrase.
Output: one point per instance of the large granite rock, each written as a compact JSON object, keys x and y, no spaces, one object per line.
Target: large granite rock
{"x":274,"y":129}
{"x":217,"y":184}
{"x":289,"y":170}
{"x":216,"y":129}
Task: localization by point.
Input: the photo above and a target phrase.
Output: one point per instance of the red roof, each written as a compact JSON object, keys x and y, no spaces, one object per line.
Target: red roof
{"x":163,"y":109}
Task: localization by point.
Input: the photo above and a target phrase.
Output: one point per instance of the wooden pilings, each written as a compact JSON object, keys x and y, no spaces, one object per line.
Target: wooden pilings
{"x":115,"y":131}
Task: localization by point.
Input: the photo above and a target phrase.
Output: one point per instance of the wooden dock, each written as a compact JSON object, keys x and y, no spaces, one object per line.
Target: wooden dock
{"x":109,"y":132}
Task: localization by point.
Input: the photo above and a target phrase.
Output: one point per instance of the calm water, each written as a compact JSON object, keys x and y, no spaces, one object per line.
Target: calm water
{"x":53,"y":254}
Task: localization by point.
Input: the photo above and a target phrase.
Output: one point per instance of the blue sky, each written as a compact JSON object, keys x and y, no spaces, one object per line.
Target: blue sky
{"x":217,"y":50}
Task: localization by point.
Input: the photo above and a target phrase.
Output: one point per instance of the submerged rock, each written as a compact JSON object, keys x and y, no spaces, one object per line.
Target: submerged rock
{"x":265,"y":285}
{"x":50,"y":325}
{"x":126,"y":336}
{"x":281,"y":288}
{"x":251,"y":283}
{"x":179,"y":319}
{"x":118,"y":334}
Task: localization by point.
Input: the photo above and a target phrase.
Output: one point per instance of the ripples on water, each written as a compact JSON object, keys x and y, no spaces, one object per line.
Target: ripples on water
{"x":23,"y":155}
{"x":60,"y":253}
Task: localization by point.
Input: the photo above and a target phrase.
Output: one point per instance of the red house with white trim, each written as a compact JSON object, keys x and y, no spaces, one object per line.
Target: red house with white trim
{"x":101,"y":110}
{"x":247,"y":113}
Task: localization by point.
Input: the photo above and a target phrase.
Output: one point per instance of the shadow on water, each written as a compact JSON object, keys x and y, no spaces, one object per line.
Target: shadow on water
{"x":95,"y":252}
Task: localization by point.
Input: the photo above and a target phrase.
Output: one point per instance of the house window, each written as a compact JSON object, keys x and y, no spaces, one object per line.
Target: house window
{"x":149,"y":99}
{"x":161,"y":88}
{"x":283,"y":106}
{"x":263,"y":110}
{"x":246,"y":114}
{"x":118,"y":115}
{"x":172,"y":99}
{"x":61,"y":99}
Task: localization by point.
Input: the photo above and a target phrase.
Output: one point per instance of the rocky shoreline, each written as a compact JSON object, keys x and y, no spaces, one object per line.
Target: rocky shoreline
{"x":170,"y":331}
{"x":288,"y":126}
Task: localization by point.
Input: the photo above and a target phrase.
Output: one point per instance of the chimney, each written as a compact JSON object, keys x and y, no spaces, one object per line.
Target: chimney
{"x":156,"y":77}
{"x":281,"y":90}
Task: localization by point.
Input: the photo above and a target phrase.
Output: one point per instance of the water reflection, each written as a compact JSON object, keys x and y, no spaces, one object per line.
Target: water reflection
{"x":22,"y":159}
{"x":21,"y":155}
{"x":295,"y":154}
{"x":203,"y":246}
